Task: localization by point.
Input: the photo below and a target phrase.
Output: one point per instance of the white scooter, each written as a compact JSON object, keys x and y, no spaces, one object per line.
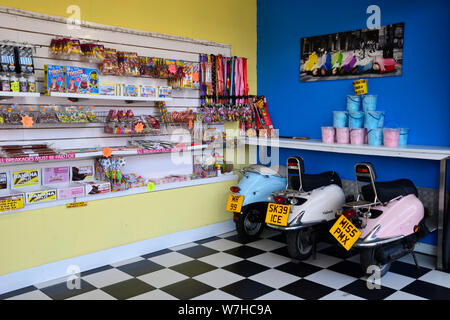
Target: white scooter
{"x":306,"y":209}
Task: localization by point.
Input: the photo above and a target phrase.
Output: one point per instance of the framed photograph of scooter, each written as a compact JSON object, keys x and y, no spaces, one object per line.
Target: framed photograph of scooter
{"x":368,"y":53}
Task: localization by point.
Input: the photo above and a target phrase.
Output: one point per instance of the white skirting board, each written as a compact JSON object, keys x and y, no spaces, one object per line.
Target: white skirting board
{"x":55,"y":270}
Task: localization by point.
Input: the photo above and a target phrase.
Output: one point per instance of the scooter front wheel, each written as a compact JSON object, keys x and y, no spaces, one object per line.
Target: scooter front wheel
{"x":367,"y":258}
{"x":250,"y":224}
{"x":300,"y":244}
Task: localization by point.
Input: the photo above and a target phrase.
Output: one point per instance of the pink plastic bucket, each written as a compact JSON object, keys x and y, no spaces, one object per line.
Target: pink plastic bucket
{"x":343,"y":135}
{"x":390,"y":137}
{"x":328,"y":134}
{"x":357,"y":136}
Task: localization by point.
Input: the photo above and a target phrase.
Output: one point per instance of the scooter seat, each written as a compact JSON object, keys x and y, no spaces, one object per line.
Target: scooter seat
{"x":389,"y":190}
{"x":314,"y":181}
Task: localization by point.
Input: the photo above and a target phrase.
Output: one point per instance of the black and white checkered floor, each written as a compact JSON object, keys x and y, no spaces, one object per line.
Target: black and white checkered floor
{"x":222,"y":268}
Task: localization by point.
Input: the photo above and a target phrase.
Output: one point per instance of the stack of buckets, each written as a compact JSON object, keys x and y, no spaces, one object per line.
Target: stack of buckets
{"x":363,"y":127}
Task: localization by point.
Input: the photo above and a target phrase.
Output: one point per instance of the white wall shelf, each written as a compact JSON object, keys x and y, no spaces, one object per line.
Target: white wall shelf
{"x":132,"y":191}
{"x":10,"y":95}
{"x":410,"y":151}
{"x":94,"y":154}
{"x":104,"y":97}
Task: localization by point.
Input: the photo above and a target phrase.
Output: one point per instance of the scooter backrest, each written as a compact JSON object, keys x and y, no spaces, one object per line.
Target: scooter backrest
{"x":365,"y":172}
{"x":295,"y":170}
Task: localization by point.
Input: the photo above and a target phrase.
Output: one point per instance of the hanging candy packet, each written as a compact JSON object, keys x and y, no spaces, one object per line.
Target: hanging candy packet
{"x":72,"y":47}
{"x":171,"y":68}
{"x":110,"y":64}
{"x":147,"y":66}
{"x":56,"y":47}
{"x":128,"y":63}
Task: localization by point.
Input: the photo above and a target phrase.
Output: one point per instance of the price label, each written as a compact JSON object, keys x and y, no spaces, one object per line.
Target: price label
{"x":11,"y":204}
{"x":77,"y":204}
{"x":150,"y":186}
{"x":360,"y":87}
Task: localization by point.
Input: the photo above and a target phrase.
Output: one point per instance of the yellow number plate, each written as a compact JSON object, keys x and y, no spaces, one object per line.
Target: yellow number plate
{"x":277,"y":214}
{"x":234,"y":203}
{"x":345,"y":232}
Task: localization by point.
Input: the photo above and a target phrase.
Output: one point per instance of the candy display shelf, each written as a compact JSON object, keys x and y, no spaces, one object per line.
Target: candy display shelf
{"x":104,"y":97}
{"x":10,"y":95}
{"x":140,"y":190}
{"x":95,"y":153}
{"x":57,"y":125}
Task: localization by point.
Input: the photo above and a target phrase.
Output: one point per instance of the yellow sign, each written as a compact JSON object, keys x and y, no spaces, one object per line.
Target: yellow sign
{"x":234,"y":203}
{"x":77,"y":204}
{"x":41,"y":196}
{"x":277,"y":214}
{"x":25,"y":178}
{"x":11,"y":204}
{"x":360,"y":86}
{"x":345,"y":232}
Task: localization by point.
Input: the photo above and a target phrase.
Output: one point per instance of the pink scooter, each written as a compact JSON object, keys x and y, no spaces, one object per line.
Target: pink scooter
{"x":389,"y":216}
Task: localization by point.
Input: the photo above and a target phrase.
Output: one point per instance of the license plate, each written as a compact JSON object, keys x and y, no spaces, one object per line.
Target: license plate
{"x":345,"y":232}
{"x":278,"y":214}
{"x":234,"y":203}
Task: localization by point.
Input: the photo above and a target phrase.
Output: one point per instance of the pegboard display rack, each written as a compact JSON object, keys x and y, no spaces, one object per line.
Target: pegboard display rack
{"x":37,"y":30}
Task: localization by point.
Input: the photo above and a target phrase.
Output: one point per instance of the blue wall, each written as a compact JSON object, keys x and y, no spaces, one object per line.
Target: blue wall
{"x":419,"y":99}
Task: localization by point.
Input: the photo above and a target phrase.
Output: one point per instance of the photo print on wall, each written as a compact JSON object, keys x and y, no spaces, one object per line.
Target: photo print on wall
{"x":368,"y":53}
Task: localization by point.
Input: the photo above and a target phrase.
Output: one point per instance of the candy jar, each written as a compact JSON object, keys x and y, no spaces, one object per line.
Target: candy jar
{"x":31,"y":83}
{"x":23,"y":84}
{"x":14,"y":83}
{"x":5,"y":85}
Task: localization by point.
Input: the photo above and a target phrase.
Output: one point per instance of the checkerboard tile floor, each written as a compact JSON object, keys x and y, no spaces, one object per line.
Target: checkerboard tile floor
{"x":223,"y":268}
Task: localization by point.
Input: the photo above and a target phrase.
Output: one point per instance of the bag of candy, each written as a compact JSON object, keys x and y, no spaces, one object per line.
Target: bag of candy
{"x":147,"y":66}
{"x":110,"y":64}
{"x":128,"y":63}
{"x":47,"y":114}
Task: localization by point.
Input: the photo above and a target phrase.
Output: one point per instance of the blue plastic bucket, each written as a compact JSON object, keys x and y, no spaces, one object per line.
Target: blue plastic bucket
{"x":369,"y":102}
{"x":353,"y":103}
{"x":403,"y":137}
{"x":374,"y":119}
{"x":340,"y":119}
{"x":375,"y":137}
{"x":355,"y":119}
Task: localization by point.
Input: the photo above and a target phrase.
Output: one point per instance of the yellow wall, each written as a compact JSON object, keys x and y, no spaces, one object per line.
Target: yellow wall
{"x":32,"y":238}
{"x":37,"y":237}
{"x":231,"y":21}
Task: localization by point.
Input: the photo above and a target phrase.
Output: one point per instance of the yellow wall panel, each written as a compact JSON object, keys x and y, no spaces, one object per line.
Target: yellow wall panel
{"x":37,"y":237}
{"x":32,"y":238}
{"x":232,"y":21}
